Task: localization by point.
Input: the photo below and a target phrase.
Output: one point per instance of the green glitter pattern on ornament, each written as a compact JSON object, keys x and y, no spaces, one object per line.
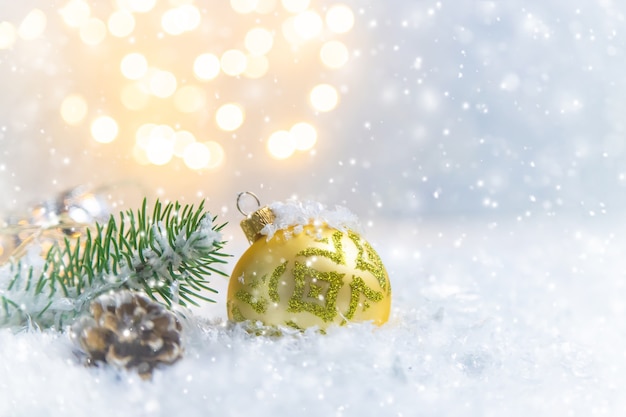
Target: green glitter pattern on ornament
{"x":337,"y":256}
{"x":237,"y":314}
{"x":293,"y":325}
{"x":323,"y":306}
{"x":358,"y":287}
{"x":250,"y":295}
{"x":273,"y":284}
{"x":258,"y":304}
{"x":375,"y":266}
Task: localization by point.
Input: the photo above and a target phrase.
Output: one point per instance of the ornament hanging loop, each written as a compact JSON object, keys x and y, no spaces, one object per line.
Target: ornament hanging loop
{"x":251,"y":194}
{"x":256,"y":220}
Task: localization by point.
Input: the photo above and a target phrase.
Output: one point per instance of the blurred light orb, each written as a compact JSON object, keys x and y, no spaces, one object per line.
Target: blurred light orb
{"x":162,"y":84}
{"x":304,"y":135}
{"x":295,"y":6}
{"x":289,"y":32}
{"x":104,"y":129}
{"x":281,"y":144}
{"x":8,"y":35}
{"x":33,"y":25}
{"x":324,"y":97}
{"x":206,"y":67}
{"x":93,"y":31}
{"x":257,"y":66}
{"x":259,"y":41}
{"x":162,"y":131}
{"x":340,"y":18}
{"x":134,"y":97}
{"x":134,"y":66}
{"x":160,"y":146}
{"x":182,"y":139}
{"x":189,"y":99}
{"x":196,"y":156}
{"x":244,"y":6}
{"x":139,"y":154}
{"x":217,"y":154}
{"x":142,"y":135}
{"x":159,"y":149}
{"x":75,"y":13}
{"x":308,"y":24}
{"x":233,"y":62}
{"x":265,"y":6}
{"x":73,"y":109}
{"x":229,"y":117}
{"x":139,"y":6}
{"x":121,"y":23}
{"x":181,"y":19}
{"x":334,"y":54}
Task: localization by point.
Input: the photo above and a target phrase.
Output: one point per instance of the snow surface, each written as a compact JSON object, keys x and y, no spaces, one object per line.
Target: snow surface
{"x":489,"y":319}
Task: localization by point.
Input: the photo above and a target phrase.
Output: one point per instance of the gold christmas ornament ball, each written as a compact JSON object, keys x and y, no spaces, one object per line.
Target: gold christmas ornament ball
{"x":301,"y":272}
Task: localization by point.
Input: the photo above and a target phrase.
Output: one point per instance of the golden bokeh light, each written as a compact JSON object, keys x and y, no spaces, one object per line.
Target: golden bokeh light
{"x":134,"y":66}
{"x":162,"y":83}
{"x":265,"y":6}
{"x":182,"y":139}
{"x":139,"y":6}
{"x":160,"y":145}
{"x":305,"y":136}
{"x":281,"y":144}
{"x":217,"y":154}
{"x":8,"y":35}
{"x":196,"y":156}
{"x":189,"y":99}
{"x":295,"y":6}
{"x":73,"y":109}
{"x":289,"y":31}
{"x":139,"y":155}
{"x":121,"y":23}
{"x":244,"y":6}
{"x":104,"y":129}
{"x":257,"y":66}
{"x":134,"y":97}
{"x":229,"y":117}
{"x":259,"y":41}
{"x":142,"y":135}
{"x":180,"y":19}
{"x":308,"y":24}
{"x":93,"y":31}
{"x":206,"y":67}
{"x":334,"y":54}
{"x":33,"y":25}
{"x":212,"y":86}
{"x":75,"y":13}
{"x":159,"y":150}
{"x":340,"y":18}
{"x":324,"y":97}
{"x":233,"y":62}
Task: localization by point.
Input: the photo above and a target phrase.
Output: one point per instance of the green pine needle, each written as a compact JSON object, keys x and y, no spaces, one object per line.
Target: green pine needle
{"x":169,"y":254}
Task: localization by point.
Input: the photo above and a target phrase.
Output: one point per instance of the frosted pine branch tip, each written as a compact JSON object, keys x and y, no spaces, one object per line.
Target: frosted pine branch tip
{"x":168,"y":253}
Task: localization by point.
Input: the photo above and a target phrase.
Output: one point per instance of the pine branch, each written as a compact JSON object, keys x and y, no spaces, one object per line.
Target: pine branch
{"x":169,"y":254}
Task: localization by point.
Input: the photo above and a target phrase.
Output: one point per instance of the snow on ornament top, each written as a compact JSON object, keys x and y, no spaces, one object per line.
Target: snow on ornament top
{"x":291,"y":217}
{"x":297,"y":214}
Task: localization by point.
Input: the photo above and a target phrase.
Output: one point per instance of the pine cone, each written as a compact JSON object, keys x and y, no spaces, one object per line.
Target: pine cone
{"x":128,"y":330}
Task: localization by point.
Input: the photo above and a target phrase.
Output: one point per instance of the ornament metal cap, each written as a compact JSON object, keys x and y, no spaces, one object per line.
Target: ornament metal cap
{"x":255,"y":221}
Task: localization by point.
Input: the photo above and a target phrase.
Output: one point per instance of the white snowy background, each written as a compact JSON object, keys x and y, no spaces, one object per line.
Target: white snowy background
{"x":481,"y":144}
